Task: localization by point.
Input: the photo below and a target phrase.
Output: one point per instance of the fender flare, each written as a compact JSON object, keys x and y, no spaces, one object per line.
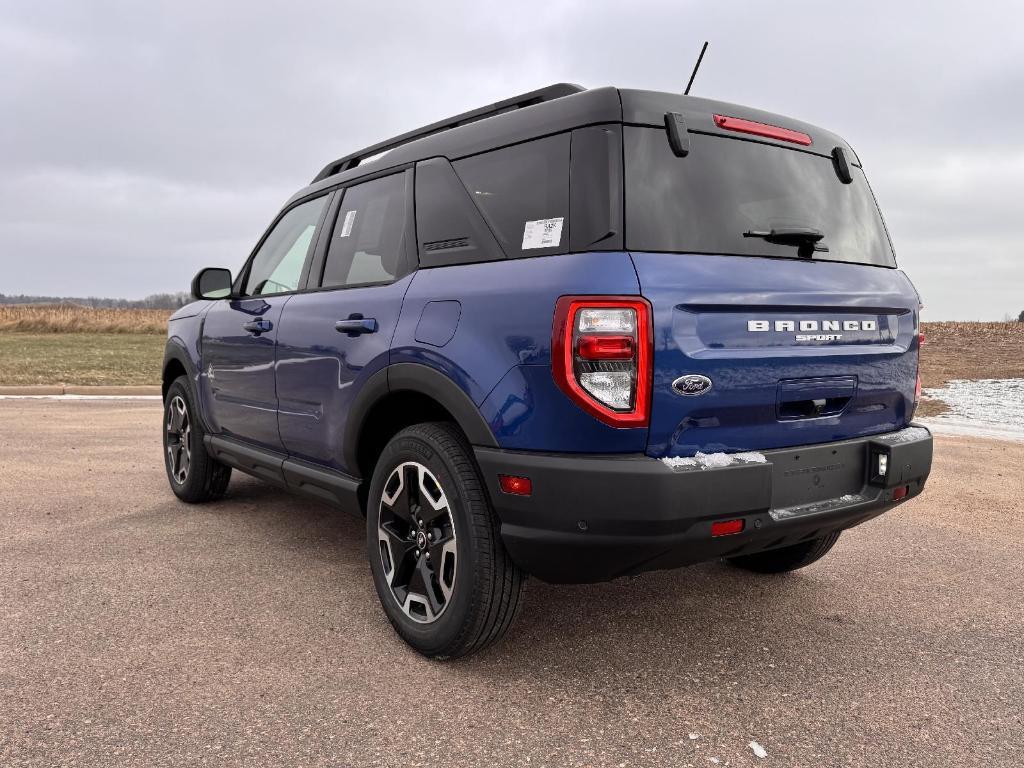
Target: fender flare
{"x":175,"y":350}
{"x":425,"y":380}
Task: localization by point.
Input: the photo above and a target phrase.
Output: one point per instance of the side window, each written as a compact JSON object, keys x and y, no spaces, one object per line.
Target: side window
{"x":523,"y":193}
{"x":277,"y":265}
{"x":368,"y":241}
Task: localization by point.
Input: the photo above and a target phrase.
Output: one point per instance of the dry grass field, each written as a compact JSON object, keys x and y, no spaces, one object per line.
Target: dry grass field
{"x":70,"y":344}
{"x":71,"y":318}
{"x":969,"y":351}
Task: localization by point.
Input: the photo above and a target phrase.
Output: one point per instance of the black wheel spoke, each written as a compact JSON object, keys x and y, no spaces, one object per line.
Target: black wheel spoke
{"x":433,"y":503}
{"x":400,"y":548}
{"x":411,"y":482}
{"x":430,"y":586}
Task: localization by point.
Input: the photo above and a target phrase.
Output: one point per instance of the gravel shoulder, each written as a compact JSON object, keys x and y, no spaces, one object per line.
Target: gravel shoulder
{"x":141,"y":632}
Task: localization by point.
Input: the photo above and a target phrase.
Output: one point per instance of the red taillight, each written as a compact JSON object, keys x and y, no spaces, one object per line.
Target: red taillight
{"x":601,"y":356}
{"x":727,"y":527}
{"x":605,"y":347}
{"x":762,"y":129}
{"x":516,"y":485}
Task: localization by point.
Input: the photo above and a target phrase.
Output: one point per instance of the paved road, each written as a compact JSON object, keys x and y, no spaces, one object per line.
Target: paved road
{"x":138,"y":631}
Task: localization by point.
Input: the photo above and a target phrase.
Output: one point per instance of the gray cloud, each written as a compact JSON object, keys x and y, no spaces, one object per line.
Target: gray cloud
{"x":140,"y":142}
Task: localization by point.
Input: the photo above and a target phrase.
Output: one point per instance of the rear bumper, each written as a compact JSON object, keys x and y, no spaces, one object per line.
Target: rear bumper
{"x":595,"y":517}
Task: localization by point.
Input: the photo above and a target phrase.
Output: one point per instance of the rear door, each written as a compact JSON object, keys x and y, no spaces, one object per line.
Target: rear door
{"x":240,"y":333}
{"x":338,"y":333}
{"x":780,"y":318}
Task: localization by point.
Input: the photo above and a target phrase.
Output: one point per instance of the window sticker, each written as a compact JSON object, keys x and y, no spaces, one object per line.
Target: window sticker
{"x":542,"y":233}
{"x":346,"y":225}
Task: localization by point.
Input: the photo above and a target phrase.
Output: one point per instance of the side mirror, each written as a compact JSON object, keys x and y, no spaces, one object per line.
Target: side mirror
{"x":212,"y":283}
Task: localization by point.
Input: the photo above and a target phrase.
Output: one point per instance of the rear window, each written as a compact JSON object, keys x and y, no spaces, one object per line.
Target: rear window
{"x":523,"y":193}
{"x":707,"y":201}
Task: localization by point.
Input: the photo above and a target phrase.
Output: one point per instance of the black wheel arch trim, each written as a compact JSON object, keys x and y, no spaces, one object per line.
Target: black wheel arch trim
{"x":414,"y":377}
{"x":176,"y":351}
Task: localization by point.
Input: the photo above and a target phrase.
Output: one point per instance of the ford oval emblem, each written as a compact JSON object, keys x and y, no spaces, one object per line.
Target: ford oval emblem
{"x":691,"y":384}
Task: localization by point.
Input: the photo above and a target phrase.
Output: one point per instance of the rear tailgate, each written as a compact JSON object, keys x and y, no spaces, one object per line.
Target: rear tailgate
{"x":798,"y":382}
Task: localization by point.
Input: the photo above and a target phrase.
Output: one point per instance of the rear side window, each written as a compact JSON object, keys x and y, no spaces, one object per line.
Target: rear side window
{"x":523,"y":193}
{"x":716,"y":198}
{"x":449,"y":226}
{"x":368,"y":240}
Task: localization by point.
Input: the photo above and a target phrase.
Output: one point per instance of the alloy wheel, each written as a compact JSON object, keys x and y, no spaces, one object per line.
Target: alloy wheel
{"x":179,"y":439}
{"x":416,"y":534}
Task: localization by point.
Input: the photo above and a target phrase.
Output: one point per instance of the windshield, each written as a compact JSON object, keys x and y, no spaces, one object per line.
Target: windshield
{"x":728,"y":195}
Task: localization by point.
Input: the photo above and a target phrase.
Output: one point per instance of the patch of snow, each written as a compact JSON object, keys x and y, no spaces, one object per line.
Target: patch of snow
{"x":758,"y":750}
{"x":968,"y":428}
{"x":908,"y":435}
{"x":714,"y":460}
{"x":990,"y":401}
{"x":679,"y":461}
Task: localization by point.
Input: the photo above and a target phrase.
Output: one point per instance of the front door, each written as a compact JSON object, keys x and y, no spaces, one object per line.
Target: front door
{"x":239,"y":343}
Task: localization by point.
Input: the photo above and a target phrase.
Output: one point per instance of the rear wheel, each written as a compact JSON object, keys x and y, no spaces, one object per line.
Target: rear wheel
{"x":787,"y":558}
{"x":194,"y":475}
{"x":440,"y":569}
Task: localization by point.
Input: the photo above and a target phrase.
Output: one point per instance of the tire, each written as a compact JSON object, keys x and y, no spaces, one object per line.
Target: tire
{"x":441,"y":572}
{"x":194,"y":475}
{"x":787,"y":558}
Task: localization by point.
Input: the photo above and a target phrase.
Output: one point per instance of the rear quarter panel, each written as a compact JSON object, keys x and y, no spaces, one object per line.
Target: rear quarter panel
{"x":500,"y":353}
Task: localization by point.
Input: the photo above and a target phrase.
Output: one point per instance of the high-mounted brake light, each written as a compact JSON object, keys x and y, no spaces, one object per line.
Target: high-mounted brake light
{"x":601,"y":356}
{"x":762,"y":129}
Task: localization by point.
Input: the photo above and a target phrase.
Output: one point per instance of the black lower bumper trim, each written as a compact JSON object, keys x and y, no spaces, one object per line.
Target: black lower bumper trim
{"x":595,"y":517}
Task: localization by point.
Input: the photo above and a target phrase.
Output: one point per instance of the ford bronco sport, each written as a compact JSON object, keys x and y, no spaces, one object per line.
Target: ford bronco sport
{"x":576,"y":334}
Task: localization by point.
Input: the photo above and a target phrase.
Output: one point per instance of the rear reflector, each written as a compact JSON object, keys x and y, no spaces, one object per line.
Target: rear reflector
{"x":516,"y":485}
{"x":726,"y":527}
{"x":900,"y":493}
{"x":762,"y":129}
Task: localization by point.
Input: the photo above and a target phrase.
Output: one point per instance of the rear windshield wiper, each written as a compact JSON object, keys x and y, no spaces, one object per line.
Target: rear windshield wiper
{"x":805,"y":238}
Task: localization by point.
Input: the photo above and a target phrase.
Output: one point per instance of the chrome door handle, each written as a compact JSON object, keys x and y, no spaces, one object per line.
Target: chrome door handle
{"x":356,"y":325}
{"x":256,"y":327}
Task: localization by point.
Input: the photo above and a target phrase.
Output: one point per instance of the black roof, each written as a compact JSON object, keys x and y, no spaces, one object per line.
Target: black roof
{"x":547,"y":111}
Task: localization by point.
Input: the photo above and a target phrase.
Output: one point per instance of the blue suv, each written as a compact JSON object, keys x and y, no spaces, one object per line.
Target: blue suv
{"x":576,"y":334}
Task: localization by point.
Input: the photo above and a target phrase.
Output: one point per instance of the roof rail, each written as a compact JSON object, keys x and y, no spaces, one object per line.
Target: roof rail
{"x":539,"y":96}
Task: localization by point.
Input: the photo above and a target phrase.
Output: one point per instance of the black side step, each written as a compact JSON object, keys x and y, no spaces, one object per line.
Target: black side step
{"x":293,"y":474}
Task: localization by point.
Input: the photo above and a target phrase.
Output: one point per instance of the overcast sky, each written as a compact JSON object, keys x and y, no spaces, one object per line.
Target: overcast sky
{"x":142,"y":141}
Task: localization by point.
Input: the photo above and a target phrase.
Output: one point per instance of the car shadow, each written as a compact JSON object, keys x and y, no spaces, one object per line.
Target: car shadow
{"x":665,"y":627}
